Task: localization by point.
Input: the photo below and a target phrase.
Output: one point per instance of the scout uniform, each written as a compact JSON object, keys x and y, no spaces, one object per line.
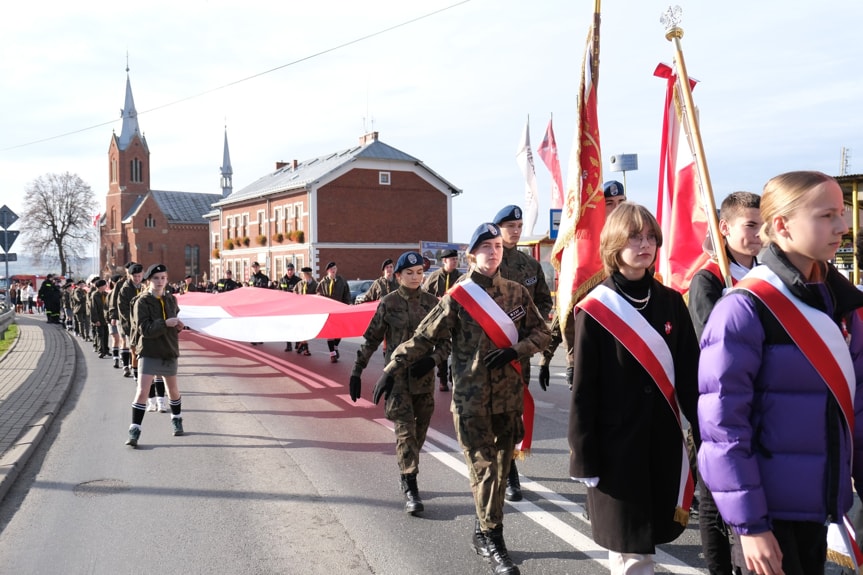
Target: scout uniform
{"x":306,"y":286}
{"x":336,"y":288}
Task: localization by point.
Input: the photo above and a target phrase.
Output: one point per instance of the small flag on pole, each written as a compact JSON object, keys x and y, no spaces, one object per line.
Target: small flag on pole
{"x":548,"y":152}
{"x":524,"y":157}
{"x":96,"y":219}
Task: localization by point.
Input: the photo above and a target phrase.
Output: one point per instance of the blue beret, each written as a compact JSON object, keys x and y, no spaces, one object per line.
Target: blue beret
{"x":408,"y":260}
{"x":507,"y":214}
{"x":613,"y":189}
{"x":486,"y":231}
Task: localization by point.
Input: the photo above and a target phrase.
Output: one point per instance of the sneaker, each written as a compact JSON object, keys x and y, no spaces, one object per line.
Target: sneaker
{"x":337,"y":353}
{"x":334,"y":358}
{"x":177,"y":423}
{"x":134,"y":435}
{"x":160,"y":402}
{"x":127,"y":371}
{"x":151,"y":404}
{"x":116,"y":363}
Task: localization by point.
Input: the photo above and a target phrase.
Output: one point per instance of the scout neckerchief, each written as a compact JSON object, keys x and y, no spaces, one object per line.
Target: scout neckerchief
{"x":648,"y":347}
{"x":503,"y":333}
{"x":816,"y":335}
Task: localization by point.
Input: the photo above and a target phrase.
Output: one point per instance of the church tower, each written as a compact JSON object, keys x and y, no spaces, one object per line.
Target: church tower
{"x":128,"y":180}
{"x":227,"y":171}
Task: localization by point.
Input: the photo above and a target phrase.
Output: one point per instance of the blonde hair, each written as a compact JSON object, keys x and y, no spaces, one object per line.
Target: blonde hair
{"x":628,"y":218}
{"x":783,"y":194}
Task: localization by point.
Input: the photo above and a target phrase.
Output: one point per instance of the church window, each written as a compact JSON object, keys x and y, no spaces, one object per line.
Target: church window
{"x":150,"y":222}
{"x":135,"y":171}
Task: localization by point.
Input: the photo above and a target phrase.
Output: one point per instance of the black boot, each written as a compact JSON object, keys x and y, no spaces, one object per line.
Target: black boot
{"x":569,"y":373}
{"x":501,"y":564}
{"x":413,"y":503}
{"x":513,"y":485}
{"x":480,"y":544}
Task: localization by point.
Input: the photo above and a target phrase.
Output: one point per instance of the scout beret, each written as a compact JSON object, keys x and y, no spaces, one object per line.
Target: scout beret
{"x":100,"y":282}
{"x":306,"y":270}
{"x":508,"y":214}
{"x":408,"y":260}
{"x":331,"y":265}
{"x":484,"y":232}
{"x":135,"y":268}
{"x":154,"y":269}
{"x":387,"y":262}
{"x":612,"y":189}
{"x":449,"y":254}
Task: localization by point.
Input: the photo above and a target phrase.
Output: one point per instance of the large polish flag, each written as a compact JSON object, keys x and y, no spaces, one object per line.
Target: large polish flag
{"x":259,"y":314}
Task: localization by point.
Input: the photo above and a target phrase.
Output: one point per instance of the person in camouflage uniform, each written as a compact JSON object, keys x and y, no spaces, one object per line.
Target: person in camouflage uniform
{"x":384,"y":285}
{"x":79,"y":308}
{"x":411,"y":403}
{"x":488,"y":391}
{"x":519,"y":267}
{"x":437,"y":284}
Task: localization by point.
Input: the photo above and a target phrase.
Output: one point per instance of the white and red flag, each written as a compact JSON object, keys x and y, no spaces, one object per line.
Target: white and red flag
{"x":548,"y":152}
{"x":259,"y":314}
{"x":524,"y":158}
{"x":680,"y":205}
{"x":576,"y":251}
{"x":96,"y":219}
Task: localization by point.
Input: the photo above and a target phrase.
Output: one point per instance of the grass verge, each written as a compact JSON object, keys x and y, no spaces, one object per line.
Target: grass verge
{"x":8,"y":339}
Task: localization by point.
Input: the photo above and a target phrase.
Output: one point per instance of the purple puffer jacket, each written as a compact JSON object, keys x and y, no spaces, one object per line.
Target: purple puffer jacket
{"x":774,"y":444}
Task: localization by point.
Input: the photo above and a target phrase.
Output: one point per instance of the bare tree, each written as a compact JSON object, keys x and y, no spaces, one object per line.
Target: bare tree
{"x":58,"y":218}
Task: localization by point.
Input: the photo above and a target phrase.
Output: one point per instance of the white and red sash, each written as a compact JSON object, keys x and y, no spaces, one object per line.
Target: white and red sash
{"x":648,"y":347}
{"x":502,"y":332}
{"x":813,"y":332}
{"x":738,"y":272}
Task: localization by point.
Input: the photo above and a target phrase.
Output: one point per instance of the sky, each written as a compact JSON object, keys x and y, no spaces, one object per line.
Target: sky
{"x":450,"y":82}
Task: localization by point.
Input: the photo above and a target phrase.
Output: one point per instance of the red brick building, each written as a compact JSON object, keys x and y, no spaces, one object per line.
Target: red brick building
{"x":356,"y":207}
{"x":144,"y":225}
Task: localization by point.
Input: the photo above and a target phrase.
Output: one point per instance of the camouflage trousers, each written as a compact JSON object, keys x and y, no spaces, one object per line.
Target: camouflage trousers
{"x":411,"y":415}
{"x":488,"y":443}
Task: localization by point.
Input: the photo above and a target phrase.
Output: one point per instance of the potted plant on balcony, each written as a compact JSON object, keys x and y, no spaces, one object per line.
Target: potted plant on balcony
{"x":278,"y":237}
{"x":261,"y":239}
{"x":229,"y":244}
{"x":246,"y":241}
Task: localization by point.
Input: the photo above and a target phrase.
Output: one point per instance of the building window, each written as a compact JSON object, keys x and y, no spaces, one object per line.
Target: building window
{"x":150,"y":222}
{"x":298,"y":219}
{"x":114,"y":170}
{"x":245,"y":225}
{"x":113,"y":218}
{"x":193,"y":267}
{"x":135,"y":171}
{"x":384,"y":178}
{"x":277,"y":262}
{"x":277,"y":216}
{"x":260,"y":222}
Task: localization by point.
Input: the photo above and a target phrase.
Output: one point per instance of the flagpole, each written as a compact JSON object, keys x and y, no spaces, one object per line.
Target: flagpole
{"x":673,"y":33}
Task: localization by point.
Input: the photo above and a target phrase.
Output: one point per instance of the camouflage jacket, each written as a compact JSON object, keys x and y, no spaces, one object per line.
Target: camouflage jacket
{"x":521,"y":268}
{"x":397,"y":316}
{"x":380,"y":288}
{"x":476,"y":389}
{"x":336,"y":289}
{"x":440,"y":281}
{"x":128,"y":292}
{"x":306,"y":287}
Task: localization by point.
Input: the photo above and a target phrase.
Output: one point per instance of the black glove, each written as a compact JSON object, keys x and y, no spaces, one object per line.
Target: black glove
{"x":383,"y":387}
{"x":355,"y":387}
{"x":499,"y":357}
{"x":421,"y":366}
{"x":544,"y":377}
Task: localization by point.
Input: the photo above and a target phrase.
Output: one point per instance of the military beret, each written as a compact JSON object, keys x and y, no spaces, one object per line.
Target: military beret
{"x":116,"y":277}
{"x":387,"y":262}
{"x":289,"y":266}
{"x":135,"y":268}
{"x":510,"y":213}
{"x":449,"y":254}
{"x":306,"y":270}
{"x":80,"y":283}
{"x":256,"y":265}
{"x":331,"y":265}
{"x":100,"y":282}
{"x":154,"y":269}
{"x":408,"y":260}
{"x":130,"y":264}
{"x":486,"y":231}
{"x":612,"y":189}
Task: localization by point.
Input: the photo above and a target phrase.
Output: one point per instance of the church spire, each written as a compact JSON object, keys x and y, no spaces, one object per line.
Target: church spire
{"x":129,"y":115}
{"x":227,"y":171}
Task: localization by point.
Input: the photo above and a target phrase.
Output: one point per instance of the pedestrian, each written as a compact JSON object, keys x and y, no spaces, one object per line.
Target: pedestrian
{"x":306,"y":286}
{"x":521,"y":268}
{"x":227,"y":283}
{"x":66,"y":298}
{"x":156,"y":342}
{"x":79,"y":308}
{"x":635,"y":368}
{"x":129,"y":290}
{"x":384,"y":285}
{"x":437,"y":284}
{"x":780,"y":377}
{"x":99,"y":316}
{"x":259,"y":279}
{"x":492,"y":323}
{"x":27,"y":296}
{"x":287,"y":283}
{"x":739,"y":224}
{"x":410,"y":404}
{"x":188,"y":285}
{"x":334,"y":287}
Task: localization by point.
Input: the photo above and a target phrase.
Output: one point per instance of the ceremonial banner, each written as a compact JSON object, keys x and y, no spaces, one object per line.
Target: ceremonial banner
{"x":524,"y":158}
{"x":258,"y":314}
{"x":680,"y":206}
{"x":576,"y":251}
{"x":548,"y":152}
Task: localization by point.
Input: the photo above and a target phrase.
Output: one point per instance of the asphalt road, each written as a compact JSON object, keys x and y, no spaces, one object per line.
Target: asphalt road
{"x":279,"y":472}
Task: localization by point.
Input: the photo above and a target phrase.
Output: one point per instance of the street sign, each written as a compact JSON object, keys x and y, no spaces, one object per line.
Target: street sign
{"x":554,"y":223}
{"x":7,"y":217}
{"x":8,"y":257}
{"x":7,"y":238}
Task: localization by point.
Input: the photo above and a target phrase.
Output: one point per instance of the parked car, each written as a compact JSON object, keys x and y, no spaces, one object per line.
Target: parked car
{"x":359,"y":288}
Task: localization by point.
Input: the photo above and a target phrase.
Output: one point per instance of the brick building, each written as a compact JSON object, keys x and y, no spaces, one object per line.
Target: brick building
{"x":144,"y":225}
{"x":356,"y":207}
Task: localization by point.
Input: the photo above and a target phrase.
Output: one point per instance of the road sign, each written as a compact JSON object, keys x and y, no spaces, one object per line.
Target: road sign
{"x":554,"y":223}
{"x":7,"y":217}
{"x":8,"y":257}
{"x":7,"y":238}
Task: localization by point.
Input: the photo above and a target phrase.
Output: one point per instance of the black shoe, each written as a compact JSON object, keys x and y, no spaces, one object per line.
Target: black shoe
{"x":288,"y":347}
{"x":501,"y":564}
{"x":479,"y":542}
{"x":413,"y":502}
{"x":513,"y":485}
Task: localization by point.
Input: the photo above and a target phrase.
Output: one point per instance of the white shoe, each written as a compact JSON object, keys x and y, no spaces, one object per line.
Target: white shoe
{"x":160,"y":401}
{"x":151,"y":405}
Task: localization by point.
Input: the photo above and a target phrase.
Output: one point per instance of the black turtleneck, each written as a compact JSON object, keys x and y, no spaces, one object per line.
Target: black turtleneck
{"x":637,"y":289}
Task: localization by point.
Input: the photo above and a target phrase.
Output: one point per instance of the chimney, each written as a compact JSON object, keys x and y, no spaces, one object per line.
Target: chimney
{"x":366,"y":139}
{"x":280,"y":165}
{"x":294,"y":165}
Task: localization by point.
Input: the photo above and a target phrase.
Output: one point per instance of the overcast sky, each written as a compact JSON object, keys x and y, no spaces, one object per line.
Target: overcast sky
{"x":780,"y":88}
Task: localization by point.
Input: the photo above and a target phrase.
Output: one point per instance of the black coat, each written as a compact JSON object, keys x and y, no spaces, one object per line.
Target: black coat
{"x":622,"y":430}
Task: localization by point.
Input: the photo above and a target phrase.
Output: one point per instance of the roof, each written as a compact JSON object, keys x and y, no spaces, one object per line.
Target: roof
{"x":310,"y":171}
{"x":178,"y":207}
